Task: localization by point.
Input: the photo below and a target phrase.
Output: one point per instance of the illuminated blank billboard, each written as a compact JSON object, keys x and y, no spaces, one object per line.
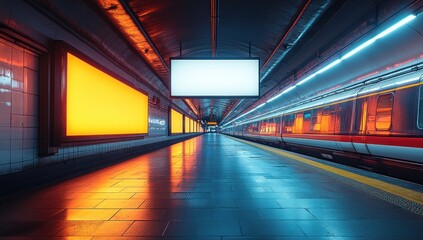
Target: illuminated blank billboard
{"x":214,"y":77}
{"x":99,"y":104}
{"x":176,"y":123}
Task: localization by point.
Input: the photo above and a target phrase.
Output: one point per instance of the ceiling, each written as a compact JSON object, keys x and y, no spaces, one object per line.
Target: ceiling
{"x":278,"y":32}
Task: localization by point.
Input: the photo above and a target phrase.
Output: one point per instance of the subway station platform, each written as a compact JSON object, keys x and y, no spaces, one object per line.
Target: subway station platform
{"x":213,"y":187}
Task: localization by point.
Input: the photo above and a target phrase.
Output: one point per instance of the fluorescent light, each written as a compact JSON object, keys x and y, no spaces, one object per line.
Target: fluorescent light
{"x":306,"y":79}
{"x":395,"y":26}
{"x":288,"y":89}
{"x":259,"y":106}
{"x":252,"y":110}
{"x":357,"y":49}
{"x":280,"y":94}
{"x":380,"y":35}
{"x":336,"y":62}
{"x":273,"y":98}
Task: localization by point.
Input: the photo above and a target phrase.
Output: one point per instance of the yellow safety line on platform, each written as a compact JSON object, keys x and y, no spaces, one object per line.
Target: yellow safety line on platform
{"x":391,"y":188}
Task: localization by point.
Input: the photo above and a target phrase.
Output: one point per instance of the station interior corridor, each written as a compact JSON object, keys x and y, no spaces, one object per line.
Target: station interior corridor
{"x":208,"y":187}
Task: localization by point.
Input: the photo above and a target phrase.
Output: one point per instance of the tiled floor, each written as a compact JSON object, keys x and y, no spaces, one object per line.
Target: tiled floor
{"x":210,"y":187}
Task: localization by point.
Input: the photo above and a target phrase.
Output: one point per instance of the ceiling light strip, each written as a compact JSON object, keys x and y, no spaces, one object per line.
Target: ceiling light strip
{"x":337,"y":61}
{"x":351,"y":53}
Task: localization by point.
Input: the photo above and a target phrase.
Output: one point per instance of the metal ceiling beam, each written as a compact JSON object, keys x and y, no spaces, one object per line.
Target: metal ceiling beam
{"x":137,"y":22}
{"x":299,"y":15}
{"x":214,"y":20}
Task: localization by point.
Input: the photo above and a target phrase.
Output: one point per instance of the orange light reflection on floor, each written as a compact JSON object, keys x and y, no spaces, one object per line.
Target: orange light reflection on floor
{"x":99,"y":198}
{"x":183,"y":157}
{"x":176,"y":165}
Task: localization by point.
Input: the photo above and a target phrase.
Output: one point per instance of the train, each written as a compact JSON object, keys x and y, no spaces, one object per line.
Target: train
{"x":376,"y":125}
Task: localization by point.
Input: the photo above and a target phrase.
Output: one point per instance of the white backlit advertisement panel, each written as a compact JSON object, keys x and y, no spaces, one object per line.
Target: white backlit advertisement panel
{"x":215,"y":77}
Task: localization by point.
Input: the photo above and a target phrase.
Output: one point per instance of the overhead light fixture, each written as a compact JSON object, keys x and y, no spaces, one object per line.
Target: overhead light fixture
{"x":332,"y":64}
{"x":259,"y":106}
{"x":396,"y":26}
{"x":273,"y":98}
{"x":350,"y":53}
{"x":288,"y":89}
{"x":380,"y":35}
{"x":339,"y":60}
{"x":280,"y":94}
{"x":357,"y":49}
{"x":306,"y":79}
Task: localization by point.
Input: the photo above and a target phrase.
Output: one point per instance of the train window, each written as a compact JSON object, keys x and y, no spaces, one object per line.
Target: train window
{"x":384,"y":111}
{"x":271,"y":126}
{"x":298,"y":124}
{"x":288,"y":122}
{"x":327,"y":110}
{"x":307,"y":114}
{"x":420,"y":114}
{"x":316,"y":120}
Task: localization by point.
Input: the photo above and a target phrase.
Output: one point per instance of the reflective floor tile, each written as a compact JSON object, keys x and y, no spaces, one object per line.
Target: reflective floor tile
{"x":146,"y":228}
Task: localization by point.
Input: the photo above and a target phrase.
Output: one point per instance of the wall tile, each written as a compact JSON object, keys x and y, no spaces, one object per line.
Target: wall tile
{"x":5,"y":77}
{"x":16,"y":144}
{"x":31,"y":61}
{"x":4,"y":120}
{"x":4,"y":133}
{"x":17,"y":85}
{"x":4,"y":157}
{"x":28,"y":154}
{"x":16,"y":133}
{"x":17,"y":65}
{"x":4,"y":144}
{"x":17,"y":121}
{"x":17,"y":103}
{"x":30,"y":133}
{"x":29,"y":143}
{"x":5,"y":101}
{"x":30,"y":104}
{"x":30,"y":121}
{"x":30,"y":81}
{"x":5,"y":53}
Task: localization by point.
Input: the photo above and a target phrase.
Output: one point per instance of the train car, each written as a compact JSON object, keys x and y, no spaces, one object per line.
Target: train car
{"x":377,"y":125}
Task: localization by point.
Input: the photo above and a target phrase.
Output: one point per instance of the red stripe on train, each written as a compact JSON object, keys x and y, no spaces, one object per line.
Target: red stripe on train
{"x":380,"y":140}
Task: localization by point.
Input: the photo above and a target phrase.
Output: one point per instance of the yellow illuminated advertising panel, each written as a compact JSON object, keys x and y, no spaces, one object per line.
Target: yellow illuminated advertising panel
{"x":176,"y":122}
{"x":187,"y":124}
{"x":99,"y":104}
{"x":191,"y":125}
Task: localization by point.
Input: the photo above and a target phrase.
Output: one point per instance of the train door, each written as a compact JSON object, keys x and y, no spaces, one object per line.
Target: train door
{"x":361,"y":113}
{"x":278,"y":121}
{"x":343,"y":119}
{"x":420,"y":107}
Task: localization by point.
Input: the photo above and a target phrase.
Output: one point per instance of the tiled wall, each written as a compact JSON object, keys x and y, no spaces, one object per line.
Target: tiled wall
{"x":18,"y":107}
{"x":19,"y":81}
